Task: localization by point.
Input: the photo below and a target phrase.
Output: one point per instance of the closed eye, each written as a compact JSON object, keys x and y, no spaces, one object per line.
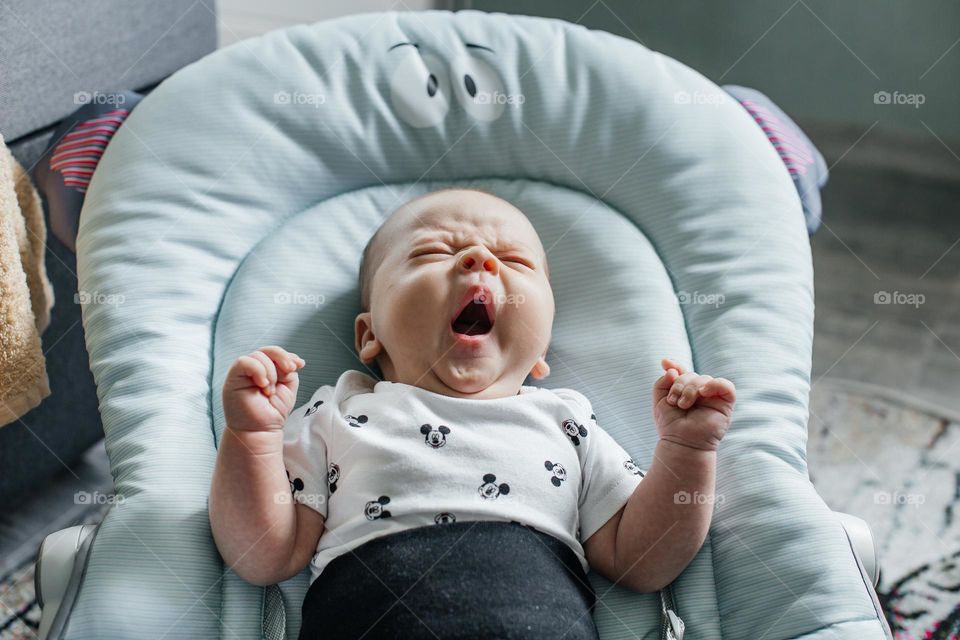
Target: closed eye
{"x":518,"y":260}
{"x":447,"y":251}
{"x":430,"y":251}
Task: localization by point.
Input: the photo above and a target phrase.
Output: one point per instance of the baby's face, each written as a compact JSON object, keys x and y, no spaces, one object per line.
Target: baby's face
{"x":460,"y":303}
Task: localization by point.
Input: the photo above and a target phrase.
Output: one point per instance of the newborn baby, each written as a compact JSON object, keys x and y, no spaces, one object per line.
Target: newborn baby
{"x":456,"y":311}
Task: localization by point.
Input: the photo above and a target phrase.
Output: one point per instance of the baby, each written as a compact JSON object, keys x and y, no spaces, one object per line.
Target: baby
{"x":457,"y":311}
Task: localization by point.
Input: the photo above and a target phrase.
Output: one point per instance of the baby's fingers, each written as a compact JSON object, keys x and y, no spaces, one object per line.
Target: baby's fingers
{"x":685,"y":390}
{"x":662,"y":386}
{"x":268,"y":366}
{"x":670,"y":363}
{"x":283,"y":359}
{"x":251,"y":368}
{"x":719,"y":387}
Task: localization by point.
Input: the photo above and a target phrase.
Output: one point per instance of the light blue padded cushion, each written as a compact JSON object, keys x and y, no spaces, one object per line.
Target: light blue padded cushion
{"x":230,"y":211}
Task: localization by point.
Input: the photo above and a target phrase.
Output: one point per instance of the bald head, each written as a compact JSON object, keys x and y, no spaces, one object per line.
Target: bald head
{"x":373,"y":253}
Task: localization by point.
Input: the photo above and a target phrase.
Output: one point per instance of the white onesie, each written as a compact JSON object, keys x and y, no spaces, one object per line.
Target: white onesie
{"x":375,"y":458}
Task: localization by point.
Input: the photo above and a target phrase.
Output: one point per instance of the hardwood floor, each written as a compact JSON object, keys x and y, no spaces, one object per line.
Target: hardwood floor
{"x":891,"y":231}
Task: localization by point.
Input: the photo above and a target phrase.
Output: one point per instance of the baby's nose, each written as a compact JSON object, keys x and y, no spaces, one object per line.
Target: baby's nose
{"x":479,"y":258}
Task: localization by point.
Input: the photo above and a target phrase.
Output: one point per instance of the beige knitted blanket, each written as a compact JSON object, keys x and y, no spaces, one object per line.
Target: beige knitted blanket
{"x":26,"y":295}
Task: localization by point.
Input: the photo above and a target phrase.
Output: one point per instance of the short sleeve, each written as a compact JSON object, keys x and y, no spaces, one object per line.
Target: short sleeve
{"x":305,"y":451}
{"x":609,"y":475}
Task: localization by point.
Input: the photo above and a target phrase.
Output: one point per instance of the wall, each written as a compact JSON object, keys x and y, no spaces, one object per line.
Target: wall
{"x":821,"y":60}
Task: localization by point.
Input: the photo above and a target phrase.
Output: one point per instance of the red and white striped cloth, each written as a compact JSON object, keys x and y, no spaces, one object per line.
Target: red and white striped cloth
{"x":792,"y":148}
{"x":77,"y":154}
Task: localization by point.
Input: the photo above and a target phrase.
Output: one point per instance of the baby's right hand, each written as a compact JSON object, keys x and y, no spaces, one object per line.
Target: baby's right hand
{"x":261,"y":389}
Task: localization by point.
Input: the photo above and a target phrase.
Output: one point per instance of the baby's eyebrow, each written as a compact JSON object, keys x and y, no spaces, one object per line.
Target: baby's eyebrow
{"x":450,"y":238}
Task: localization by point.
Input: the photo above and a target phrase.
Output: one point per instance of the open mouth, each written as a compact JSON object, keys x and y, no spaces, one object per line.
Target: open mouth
{"x":476,"y":316}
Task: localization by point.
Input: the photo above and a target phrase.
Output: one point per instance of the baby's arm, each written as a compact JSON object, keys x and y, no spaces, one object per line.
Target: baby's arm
{"x":261,"y":533}
{"x":654,"y":537}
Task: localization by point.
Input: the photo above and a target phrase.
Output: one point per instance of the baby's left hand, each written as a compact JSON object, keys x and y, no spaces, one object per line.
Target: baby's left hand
{"x":691,"y":409}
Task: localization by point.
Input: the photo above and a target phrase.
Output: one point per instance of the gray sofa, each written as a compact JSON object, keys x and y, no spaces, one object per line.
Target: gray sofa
{"x":51,"y":50}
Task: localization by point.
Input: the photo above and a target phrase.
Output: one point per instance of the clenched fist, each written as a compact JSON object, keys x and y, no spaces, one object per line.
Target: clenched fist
{"x":692,"y":409}
{"x":261,"y":389}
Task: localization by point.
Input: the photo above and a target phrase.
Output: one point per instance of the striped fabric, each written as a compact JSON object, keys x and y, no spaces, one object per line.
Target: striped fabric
{"x":77,"y":154}
{"x":793,"y":150}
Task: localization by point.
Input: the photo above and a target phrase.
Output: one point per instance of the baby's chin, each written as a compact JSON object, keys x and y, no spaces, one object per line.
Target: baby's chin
{"x":475,"y":377}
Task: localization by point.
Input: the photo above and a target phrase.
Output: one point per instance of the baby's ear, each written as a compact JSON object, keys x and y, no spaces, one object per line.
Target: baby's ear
{"x":540,"y":369}
{"x":366,"y":344}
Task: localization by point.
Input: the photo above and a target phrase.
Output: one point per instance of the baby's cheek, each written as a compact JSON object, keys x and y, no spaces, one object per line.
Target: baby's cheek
{"x":535,"y":301}
{"x":413,"y":304}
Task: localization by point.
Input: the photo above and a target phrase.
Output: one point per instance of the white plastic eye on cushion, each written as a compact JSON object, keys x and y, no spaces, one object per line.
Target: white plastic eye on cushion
{"x":419,"y":88}
{"x":479,"y":88}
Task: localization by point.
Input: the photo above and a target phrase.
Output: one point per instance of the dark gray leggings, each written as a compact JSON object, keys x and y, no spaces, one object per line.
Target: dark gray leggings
{"x":480,"y":579}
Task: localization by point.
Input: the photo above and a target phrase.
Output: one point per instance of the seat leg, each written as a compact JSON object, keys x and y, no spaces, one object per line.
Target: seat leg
{"x":56,"y":560}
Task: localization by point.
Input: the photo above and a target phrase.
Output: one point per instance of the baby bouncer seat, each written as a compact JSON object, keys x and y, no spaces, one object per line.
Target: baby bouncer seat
{"x":230,"y":211}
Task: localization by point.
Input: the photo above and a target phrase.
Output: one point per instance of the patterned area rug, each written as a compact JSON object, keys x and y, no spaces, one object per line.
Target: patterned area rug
{"x":895,"y":462}
{"x":19,"y":611}
{"x":888,"y":459}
